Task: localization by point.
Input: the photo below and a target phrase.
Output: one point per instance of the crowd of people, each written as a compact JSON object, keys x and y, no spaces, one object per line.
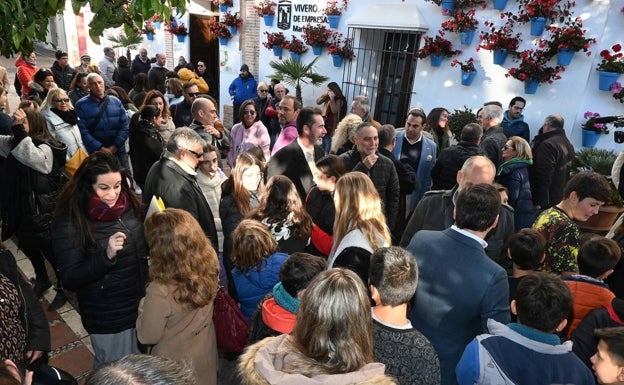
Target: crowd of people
{"x":358,"y":252}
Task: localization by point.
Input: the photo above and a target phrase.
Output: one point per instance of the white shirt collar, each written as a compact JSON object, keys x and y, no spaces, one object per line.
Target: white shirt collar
{"x":414,"y":142}
{"x":482,"y":242}
{"x":305,"y":149}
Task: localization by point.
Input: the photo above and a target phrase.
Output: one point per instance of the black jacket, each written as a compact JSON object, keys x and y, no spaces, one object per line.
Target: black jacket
{"x":108,"y":291}
{"x":146,"y":147}
{"x":408,"y":180}
{"x":450,"y":160}
{"x":63,"y":76}
{"x":138,"y":66}
{"x":181,"y":114}
{"x":552,"y":159}
{"x":492,"y":144}
{"x":179,"y":189}
{"x":31,"y":314}
{"x":123,"y":78}
{"x":435,"y":212}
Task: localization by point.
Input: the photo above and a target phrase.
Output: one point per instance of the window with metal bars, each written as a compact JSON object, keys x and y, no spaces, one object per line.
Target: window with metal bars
{"x":383,"y":70}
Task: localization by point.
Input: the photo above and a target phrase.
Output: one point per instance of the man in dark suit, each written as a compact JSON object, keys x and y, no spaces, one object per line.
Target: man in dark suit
{"x":297,"y":160}
{"x":174,"y":179}
{"x":460,"y":288}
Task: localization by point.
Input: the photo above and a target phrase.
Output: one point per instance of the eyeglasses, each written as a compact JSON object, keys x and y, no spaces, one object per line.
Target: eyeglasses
{"x":249,"y":112}
{"x":65,"y":100}
{"x":263,"y":90}
{"x":193,"y":94}
{"x":197,"y":154}
{"x":200,"y":65}
{"x":506,"y":147}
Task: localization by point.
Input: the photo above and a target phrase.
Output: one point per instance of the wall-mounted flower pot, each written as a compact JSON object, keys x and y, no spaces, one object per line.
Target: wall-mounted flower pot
{"x":295,"y":56}
{"x":233,"y":30}
{"x":337,"y":59}
{"x":223,"y":8}
{"x":466,"y":36}
{"x":157,"y":24}
{"x":590,"y":138}
{"x":530,"y":86}
{"x":500,"y":55}
{"x":277,"y":51}
{"x":564,"y":57}
{"x":436,"y":60}
{"x":606,"y":79}
{"x":448,"y":6}
{"x":467,"y":77}
{"x":150,"y":36}
{"x":537,"y":26}
{"x":268,"y":20}
{"x":223,"y":40}
{"x":333,"y":20}
{"x":500,"y":4}
{"x":181,"y":38}
{"x":317,"y":49}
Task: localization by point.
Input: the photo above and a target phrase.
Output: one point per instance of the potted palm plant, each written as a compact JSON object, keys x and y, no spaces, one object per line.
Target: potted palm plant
{"x":294,"y":73}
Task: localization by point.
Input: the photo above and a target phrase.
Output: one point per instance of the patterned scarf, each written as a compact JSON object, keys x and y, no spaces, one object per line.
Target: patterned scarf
{"x":100,"y":211}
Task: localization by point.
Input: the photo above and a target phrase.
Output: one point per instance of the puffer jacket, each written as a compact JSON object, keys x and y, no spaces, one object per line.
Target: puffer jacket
{"x":262,"y":364}
{"x":108,"y":291}
{"x":63,"y":76}
{"x":514,"y":174}
{"x":450,"y":160}
{"x":146,"y":147}
{"x":65,"y":132}
{"x":243,"y":89}
{"x":112,"y":129}
{"x":25,"y":73}
{"x":588,"y":294}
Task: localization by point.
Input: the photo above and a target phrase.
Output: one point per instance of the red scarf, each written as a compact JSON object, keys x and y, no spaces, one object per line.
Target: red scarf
{"x":100,"y":211}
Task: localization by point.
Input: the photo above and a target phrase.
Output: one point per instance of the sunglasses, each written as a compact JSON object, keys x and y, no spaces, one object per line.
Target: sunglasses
{"x":65,"y":100}
{"x":197,"y":154}
{"x":263,"y":90}
{"x":193,"y":94}
{"x":249,"y":112}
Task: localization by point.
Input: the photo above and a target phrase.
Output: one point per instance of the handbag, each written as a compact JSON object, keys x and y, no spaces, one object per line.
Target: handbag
{"x":230,"y":324}
{"x":75,"y":161}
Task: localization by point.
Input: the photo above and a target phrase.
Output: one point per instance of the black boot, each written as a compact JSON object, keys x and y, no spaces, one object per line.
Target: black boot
{"x":58,"y":301}
{"x":40,"y":286}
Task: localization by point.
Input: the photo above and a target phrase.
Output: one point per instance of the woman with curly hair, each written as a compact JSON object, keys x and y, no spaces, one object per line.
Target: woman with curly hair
{"x":176,"y":314}
{"x":332,"y":342}
{"x":360,"y":226}
{"x":256,"y":263}
{"x":342,"y":141}
{"x":282,"y":212}
{"x":166,"y":126}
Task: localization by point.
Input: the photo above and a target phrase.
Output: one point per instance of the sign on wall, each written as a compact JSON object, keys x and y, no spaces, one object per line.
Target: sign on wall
{"x":296,"y":16}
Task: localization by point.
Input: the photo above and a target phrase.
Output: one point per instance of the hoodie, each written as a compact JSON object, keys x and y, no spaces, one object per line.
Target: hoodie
{"x":515,"y":127}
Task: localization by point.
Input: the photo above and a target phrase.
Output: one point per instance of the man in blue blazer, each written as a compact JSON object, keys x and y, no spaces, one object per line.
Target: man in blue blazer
{"x":460,"y":287}
{"x":417,"y":150}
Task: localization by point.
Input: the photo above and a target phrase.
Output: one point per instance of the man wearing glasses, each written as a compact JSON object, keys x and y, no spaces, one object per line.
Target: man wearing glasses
{"x":205,"y":74}
{"x":181,"y":112}
{"x":174,"y":179}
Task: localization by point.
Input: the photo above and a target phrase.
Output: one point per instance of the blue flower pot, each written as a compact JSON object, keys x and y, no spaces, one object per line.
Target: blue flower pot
{"x":337,"y":60}
{"x":157,"y":24}
{"x":537,"y":26}
{"x":150,"y":36}
{"x":436,"y":60}
{"x":500,"y":4}
{"x":223,"y":40}
{"x":223,"y":8}
{"x":333,"y":20}
{"x":530,"y":86}
{"x":606,"y":79}
{"x":590,"y":138}
{"x":467,"y":36}
{"x":564,"y":57}
{"x":181,"y":38}
{"x":448,"y":6}
{"x":467,"y":77}
{"x":277,"y":51}
{"x":317,"y":49}
{"x":500,"y":55}
{"x":295,"y":56}
{"x":268,"y":20}
{"x":233,"y":30}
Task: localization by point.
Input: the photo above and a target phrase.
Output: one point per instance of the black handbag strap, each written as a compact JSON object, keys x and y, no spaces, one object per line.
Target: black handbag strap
{"x":98,"y":117}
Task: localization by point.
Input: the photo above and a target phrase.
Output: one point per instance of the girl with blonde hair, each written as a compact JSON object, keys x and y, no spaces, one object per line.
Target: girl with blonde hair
{"x":345,"y":131}
{"x":176,"y":314}
{"x":331,"y":344}
{"x":360,"y":226}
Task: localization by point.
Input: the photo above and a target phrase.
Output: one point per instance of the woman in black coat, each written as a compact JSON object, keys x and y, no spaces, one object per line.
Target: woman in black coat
{"x":22,"y":322}
{"x":102,"y":256}
{"x":146,"y":144}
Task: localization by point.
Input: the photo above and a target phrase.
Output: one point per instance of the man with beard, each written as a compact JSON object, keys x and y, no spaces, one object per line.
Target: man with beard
{"x":297,"y":160}
{"x":287,"y":114}
{"x":241,"y":89}
{"x":141,"y":63}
